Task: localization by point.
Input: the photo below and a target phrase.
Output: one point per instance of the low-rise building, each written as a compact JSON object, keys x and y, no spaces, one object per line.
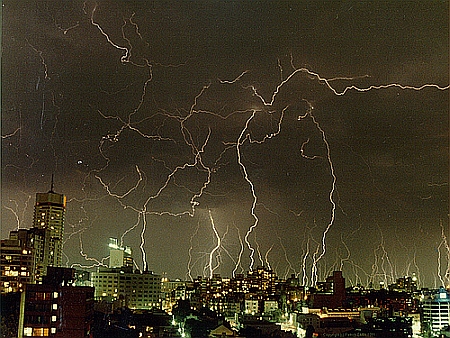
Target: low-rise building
{"x":55,"y":308}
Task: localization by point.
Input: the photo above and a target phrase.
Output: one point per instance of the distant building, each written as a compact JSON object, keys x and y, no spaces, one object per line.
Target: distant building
{"x":119,"y":256}
{"x":331,"y":293}
{"x":121,"y":285}
{"x":251,"y":306}
{"x":171,"y":291}
{"x":405,"y":284}
{"x":223,"y":331}
{"x":306,"y":320}
{"x":261,"y":281}
{"x":270,"y":306}
{"x":135,"y":290}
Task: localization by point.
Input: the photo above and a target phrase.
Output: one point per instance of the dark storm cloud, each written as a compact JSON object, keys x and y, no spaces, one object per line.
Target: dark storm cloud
{"x":92,"y":119}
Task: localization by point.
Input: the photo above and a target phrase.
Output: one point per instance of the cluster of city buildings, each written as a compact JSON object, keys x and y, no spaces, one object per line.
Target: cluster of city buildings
{"x":42,"y":298}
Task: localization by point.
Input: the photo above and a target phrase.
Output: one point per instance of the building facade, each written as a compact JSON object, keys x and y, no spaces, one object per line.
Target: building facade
{"x":435,"y":313}
{"x":49,"y":213}
{"x":19,"y":258}
{"x":55,"y":308}
{"x":130,"y":288}
{"x":17,"y":261}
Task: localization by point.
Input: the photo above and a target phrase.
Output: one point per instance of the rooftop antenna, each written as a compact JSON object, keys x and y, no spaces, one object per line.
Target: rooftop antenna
{"x":52,"y":185}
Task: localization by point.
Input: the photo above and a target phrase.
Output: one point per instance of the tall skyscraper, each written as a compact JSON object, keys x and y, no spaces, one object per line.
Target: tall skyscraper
{"x":49,"y":212}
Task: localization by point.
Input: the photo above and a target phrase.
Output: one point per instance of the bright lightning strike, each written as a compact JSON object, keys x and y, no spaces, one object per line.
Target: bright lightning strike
{"x":188,"y":132}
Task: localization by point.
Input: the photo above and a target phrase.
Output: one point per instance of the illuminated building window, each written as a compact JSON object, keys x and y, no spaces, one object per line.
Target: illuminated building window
{"x":28,"y":332}
{"x":53,"y":318}
{"x":53,"y":330}
{"x":40,"y":332}
{"x":55,"y":306}
{"x":55,"y":294}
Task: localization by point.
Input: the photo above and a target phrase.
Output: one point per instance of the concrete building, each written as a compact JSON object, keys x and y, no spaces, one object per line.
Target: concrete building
{"x":270,"y":306}
{"x":49,"y":212}
{"x":17,"y":261}
{"x":119,"y":256}
{"x":135,"y":290}
{"x":331,"y":293}
{"x":251,"y":306}
{"x":435,"y":313}
{"x":56,"y":308}
{"x":120,"y":285}
{"x":171,"y":291}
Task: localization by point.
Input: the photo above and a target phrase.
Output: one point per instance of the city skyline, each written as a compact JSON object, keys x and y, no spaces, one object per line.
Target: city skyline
{"x":213,"y":137}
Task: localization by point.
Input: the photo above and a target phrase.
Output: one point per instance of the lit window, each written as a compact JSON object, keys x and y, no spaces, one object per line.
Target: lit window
{"x":24,"y":251}
{"x":53,"y":318}
{"x":28,"y":332}
{"x":53,"y":330}
{"x":55,"y":294}
{"x":55,"y":306}
{"x":40,"y":332}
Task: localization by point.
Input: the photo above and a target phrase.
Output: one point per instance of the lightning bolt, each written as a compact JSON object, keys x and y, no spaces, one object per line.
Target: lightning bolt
{"x":189,"y":264}
{"x":314,"y":250}
{"x":215,"y":249}
{"x":85,"y":256}
{"x":239,"y":143}
{"x":445,"y":245}
{"x":12,"y":134}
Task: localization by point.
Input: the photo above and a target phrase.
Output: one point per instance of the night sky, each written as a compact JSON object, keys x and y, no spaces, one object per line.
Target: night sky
{"x":217,"y":136}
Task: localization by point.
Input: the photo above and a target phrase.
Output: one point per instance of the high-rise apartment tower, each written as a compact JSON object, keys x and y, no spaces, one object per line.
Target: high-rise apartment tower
{"x":49,"y":212}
